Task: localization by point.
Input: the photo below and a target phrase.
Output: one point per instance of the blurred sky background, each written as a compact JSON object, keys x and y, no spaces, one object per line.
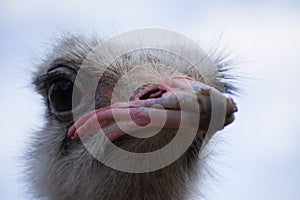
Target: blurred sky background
{"x":260,"y":155}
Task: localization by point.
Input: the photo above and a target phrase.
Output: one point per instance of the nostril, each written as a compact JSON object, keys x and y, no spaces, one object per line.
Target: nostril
{"x":155,"y":93}
{"x":151,"y":92}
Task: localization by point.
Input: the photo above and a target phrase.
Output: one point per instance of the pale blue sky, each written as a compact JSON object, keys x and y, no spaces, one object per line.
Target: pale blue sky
{"x":260,"y":158}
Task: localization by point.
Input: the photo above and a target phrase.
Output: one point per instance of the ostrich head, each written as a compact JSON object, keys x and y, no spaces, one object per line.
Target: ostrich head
{"x":123,"y":122}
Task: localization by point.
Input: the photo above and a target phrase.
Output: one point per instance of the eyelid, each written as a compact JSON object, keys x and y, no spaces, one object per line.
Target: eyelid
{"x":57,"y":63}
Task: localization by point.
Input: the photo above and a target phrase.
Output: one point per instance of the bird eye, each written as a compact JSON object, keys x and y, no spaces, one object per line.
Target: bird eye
{"x":60,"y":95}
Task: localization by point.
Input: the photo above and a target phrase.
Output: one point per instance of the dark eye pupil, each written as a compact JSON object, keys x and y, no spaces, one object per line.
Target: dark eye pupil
{"x":60,"y":95}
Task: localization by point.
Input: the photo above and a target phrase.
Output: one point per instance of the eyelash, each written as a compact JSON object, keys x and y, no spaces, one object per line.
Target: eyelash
{"x":44,"y":81}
